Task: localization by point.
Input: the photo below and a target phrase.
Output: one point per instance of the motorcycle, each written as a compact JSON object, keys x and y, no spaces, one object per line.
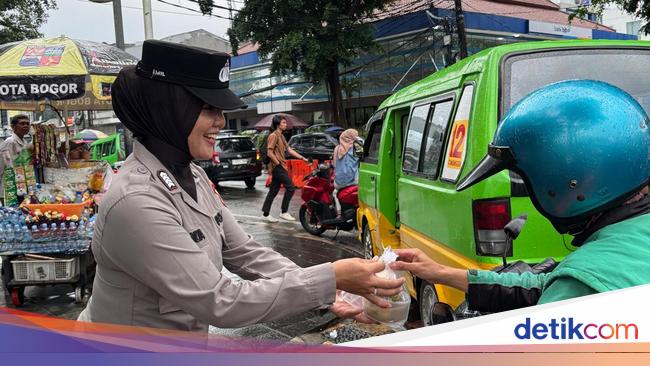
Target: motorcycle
{"x":318,"y":211}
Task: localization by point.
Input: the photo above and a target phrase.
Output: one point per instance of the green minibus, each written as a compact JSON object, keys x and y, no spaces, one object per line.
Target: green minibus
{"x":425,"y":137}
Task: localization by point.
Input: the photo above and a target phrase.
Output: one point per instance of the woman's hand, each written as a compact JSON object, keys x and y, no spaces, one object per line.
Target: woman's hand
{"x":420,"y":265}
{"x":344,"y":310}
{"x":357,"y":276}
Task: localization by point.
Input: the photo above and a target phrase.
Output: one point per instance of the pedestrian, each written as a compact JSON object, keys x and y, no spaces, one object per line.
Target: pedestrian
{"x":277,"y":149}
{"x":582,"y":149}
{"x":163,"y":236}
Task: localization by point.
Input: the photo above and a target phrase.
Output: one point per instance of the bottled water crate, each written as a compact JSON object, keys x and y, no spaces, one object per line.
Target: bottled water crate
{"x":50,"y":270}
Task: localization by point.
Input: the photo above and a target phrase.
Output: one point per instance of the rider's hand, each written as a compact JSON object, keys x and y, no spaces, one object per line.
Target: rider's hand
{"x":357,"y":276}
{"x":420,"y":265}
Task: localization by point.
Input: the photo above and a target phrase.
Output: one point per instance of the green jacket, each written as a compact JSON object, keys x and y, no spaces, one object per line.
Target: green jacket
{"x":614,"y":257}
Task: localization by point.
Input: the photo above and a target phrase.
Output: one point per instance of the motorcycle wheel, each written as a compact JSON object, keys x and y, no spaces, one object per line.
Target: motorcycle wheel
{"x":310,"y":222}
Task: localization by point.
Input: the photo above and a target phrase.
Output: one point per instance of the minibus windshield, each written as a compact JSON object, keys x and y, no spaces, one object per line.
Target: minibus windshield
{"x":627,"y":68}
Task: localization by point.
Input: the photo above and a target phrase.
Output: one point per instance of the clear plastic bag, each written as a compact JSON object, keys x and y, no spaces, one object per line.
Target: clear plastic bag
{"x":397,"y":314}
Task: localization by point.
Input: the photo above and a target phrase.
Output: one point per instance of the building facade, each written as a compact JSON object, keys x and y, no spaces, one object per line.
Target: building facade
{"x":415,"y":42}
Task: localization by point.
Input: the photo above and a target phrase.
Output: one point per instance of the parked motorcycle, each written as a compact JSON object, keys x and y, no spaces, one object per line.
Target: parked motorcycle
{"x":318,"y":212}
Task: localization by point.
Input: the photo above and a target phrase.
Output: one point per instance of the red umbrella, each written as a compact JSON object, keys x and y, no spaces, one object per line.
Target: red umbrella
{"x":292,"y":121}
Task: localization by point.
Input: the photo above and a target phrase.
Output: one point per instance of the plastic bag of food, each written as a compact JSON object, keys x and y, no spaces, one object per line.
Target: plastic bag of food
{"x":396,"y":315}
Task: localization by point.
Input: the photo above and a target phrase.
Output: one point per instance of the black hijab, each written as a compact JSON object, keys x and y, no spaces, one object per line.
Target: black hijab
{"x":161,"y":116}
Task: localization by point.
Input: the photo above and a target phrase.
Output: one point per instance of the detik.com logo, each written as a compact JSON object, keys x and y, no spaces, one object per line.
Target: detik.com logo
{"x":569,"y":328}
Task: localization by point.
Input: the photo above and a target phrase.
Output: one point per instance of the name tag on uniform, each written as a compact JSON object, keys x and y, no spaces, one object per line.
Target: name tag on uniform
{"x":197,"y":235}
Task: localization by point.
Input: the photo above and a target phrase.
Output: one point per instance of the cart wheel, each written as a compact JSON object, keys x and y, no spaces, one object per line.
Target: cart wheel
{"x":79,"y":294}
{"x":17,"y":296}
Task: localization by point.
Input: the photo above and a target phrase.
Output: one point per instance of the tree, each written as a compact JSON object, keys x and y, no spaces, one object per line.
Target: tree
{"x":20,"y":19}
{"x":639,"y":8}
{"x":314,"y":37}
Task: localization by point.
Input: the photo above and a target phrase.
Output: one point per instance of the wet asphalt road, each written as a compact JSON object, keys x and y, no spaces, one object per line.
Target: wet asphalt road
{"x":288,"y":238}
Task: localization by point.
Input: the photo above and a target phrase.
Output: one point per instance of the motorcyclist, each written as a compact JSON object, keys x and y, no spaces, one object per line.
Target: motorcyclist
{"x":346,"y":164}
{"x":582,"y":148}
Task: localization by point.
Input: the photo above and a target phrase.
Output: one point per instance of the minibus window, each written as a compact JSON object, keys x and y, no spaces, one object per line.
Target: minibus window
{"x":414,"y":138}
{"x":371,"y":148}
{"x":435,"y":137}
{"x":625,"y":68}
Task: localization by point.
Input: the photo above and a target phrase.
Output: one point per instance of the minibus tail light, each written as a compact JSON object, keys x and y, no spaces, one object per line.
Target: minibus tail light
{"x":490,"y":217}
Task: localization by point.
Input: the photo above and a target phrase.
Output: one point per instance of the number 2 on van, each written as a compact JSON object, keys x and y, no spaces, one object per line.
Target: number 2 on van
{"x":455,"y":160}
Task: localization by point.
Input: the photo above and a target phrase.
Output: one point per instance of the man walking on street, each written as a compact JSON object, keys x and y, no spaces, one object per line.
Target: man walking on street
{"x":277,"y":147}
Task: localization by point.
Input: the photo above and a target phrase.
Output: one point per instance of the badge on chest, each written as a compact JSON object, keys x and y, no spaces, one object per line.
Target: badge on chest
{"x":167,"y":181}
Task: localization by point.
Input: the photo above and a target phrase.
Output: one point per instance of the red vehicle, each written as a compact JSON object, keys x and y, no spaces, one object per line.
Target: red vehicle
{"x":318,"y":211}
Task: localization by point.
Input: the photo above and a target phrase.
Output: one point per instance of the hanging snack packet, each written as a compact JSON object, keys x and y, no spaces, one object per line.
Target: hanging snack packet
{"x":9,"y":185}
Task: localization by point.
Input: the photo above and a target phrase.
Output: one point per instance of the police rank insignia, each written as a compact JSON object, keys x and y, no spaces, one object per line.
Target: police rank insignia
{"x":167,"y":181}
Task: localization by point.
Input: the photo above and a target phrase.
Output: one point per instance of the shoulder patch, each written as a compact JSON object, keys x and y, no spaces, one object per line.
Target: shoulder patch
{"x":167,"y":181}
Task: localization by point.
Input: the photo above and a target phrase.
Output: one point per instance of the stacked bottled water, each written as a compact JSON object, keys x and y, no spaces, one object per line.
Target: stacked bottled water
{"x":15,"y":234}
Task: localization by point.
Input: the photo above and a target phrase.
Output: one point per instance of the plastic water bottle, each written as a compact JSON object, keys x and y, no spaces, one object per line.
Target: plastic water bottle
{"x":44,"y":233}
{"x":90,"y":228}
{"x":25,"y":234}
{"x":18,"y":236}
{"x":9,"y":233}
{"x":72,"y":235}
{"x":63,"y":233}
{"x":36,"y":235}
{"x":54,"y":232}
{"x":81,"y":230}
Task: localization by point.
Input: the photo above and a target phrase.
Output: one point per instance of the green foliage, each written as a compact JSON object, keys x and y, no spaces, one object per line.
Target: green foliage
{"x":307,"y":35}
{"x":206,"y":6}
{"x":20,"y":19}
{"x":639,"y":8}
{"x":314,"y":37}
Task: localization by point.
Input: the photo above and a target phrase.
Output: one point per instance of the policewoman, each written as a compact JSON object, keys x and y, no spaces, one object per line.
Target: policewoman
{"x":163,"y":235}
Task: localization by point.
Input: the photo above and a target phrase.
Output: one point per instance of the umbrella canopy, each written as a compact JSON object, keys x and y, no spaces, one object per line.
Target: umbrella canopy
{"x":68,"y":74}
{"x":292,"y":121}
{"x":88,"y":135}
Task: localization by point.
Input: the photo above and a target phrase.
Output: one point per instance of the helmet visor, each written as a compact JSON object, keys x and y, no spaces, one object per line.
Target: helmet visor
{"x":497,"y":159}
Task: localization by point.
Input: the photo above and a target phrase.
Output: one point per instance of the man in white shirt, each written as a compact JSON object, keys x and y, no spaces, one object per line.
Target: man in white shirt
{"x":14,"y":144}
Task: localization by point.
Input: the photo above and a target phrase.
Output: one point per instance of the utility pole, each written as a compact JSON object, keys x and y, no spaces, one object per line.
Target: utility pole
{"x":117,"y":20}
{"x":119,"y":29}
{"x":460,"y":26}
{"x":446,"y":41}
{"x":148,"y":23}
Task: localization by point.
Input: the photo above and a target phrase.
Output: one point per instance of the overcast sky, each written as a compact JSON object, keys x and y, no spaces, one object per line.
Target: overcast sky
{"x":82,"y":19}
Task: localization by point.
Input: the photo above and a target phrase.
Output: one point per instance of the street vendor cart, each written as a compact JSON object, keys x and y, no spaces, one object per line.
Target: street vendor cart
{"x":51,"y":251}
{"x":51,"y":245}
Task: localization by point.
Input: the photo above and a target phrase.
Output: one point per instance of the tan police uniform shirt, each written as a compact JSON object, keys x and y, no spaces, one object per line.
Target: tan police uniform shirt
{"x":160,"y":254}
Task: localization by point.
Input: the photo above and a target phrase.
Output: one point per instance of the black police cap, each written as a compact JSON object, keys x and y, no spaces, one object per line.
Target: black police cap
{"x":204,"y":73}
